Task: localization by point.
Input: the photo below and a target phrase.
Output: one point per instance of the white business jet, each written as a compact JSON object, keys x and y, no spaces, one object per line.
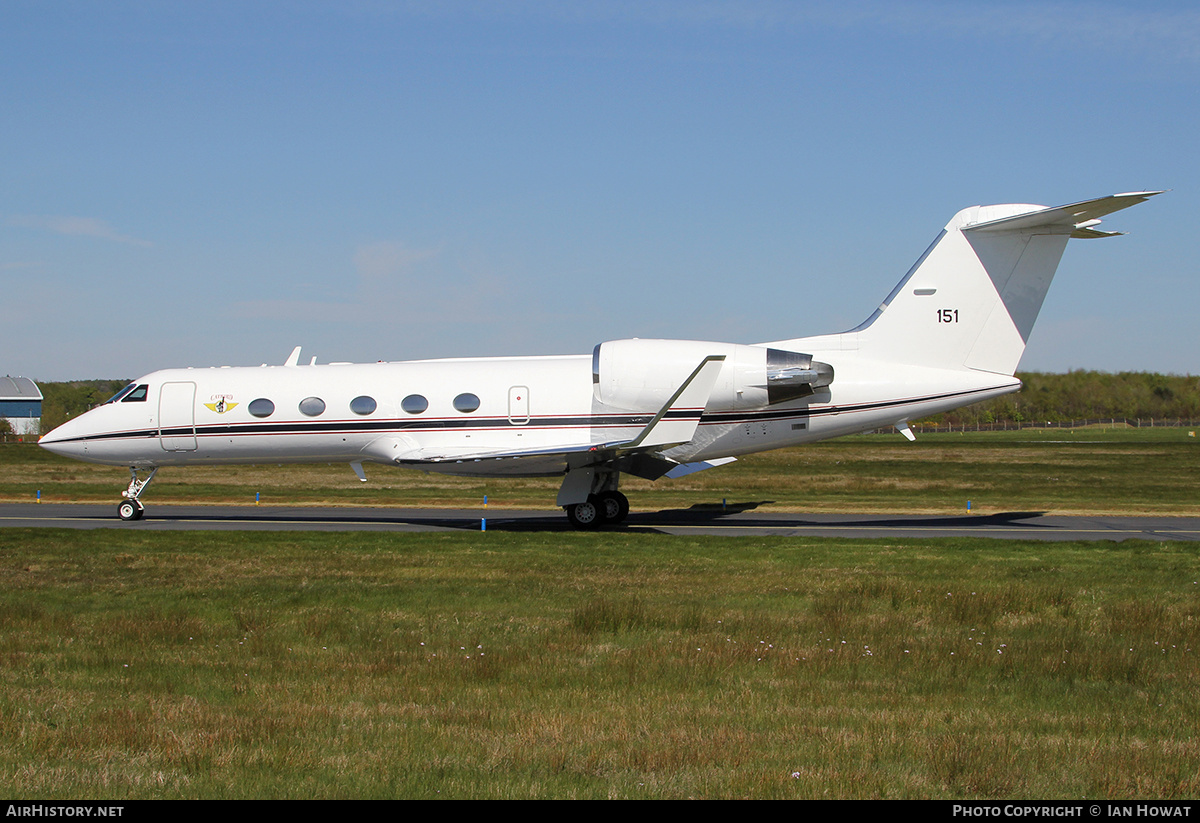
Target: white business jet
{"x":950,"y":334}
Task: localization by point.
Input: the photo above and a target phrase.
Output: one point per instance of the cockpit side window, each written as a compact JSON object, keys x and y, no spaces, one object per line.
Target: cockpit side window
{"x":138,"y":395}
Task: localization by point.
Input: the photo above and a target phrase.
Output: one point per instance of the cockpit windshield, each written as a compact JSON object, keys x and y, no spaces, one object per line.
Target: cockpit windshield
{"x":121,"y":394}
{"x":133,"y":393}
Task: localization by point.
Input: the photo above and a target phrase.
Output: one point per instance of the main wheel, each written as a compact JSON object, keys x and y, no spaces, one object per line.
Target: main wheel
{"x":585,"y":515}
{"x":614,"y":506}
{"x":130,"y":510}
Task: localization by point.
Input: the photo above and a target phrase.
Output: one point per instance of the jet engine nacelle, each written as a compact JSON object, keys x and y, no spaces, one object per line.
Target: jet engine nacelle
{"x":641,"y":375}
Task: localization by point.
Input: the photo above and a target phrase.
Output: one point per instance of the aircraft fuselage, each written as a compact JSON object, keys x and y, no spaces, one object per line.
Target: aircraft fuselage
{"x":525,"y":404}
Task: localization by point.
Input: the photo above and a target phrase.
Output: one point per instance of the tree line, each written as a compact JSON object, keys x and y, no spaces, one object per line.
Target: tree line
{"x":1087,"y":395}
{"x":62,"y":401}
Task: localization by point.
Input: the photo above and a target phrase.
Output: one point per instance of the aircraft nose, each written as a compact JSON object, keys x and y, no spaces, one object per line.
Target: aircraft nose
{"x":63,"y":440}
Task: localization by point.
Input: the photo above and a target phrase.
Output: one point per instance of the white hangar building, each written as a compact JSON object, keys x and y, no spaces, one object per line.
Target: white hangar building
{"x":21,"y":404}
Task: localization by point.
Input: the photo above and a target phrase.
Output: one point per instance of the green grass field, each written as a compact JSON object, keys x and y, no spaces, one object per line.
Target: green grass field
{"x":489,"y":665}
{"x":614,"y":665}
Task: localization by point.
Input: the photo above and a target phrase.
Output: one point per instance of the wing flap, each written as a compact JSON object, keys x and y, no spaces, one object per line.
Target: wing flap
{"x":548,"y":462}
{"x":684,"y":469}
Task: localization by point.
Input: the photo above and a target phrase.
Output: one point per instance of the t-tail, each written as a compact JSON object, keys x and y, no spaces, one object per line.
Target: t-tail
{"x":971,"y":300}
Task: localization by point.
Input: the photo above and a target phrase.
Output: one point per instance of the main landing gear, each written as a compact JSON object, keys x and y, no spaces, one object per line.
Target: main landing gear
{"x":604,"y":509}
{"x":131,"y":507}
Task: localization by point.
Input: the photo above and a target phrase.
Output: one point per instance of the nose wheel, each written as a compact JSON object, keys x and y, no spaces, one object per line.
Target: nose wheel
{"x":130,"y":510}
{"x":131,"y":507}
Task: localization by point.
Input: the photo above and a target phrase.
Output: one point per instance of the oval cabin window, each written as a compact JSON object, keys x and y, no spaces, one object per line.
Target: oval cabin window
{"x":414,"y":404}
{"x":262,"y":407}
{"x":363,"y":405}
{"x":312,"y":406}
{"x":466,"y":402}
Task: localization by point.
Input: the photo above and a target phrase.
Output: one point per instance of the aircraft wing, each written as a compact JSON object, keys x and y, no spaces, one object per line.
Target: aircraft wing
{"x":674,"y":424}
{"x":548,"y":462}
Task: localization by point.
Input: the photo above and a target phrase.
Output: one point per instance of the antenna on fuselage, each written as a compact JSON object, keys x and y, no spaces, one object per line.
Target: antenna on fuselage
{"x":293,"y":358}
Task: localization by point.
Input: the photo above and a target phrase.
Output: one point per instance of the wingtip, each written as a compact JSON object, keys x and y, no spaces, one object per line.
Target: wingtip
{"x":1142,"y":194}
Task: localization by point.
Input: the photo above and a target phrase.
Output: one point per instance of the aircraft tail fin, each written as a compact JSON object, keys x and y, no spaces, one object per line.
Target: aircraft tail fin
{"x":971,"y":299}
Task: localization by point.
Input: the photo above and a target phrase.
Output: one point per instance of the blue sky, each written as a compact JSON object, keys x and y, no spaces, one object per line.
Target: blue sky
{"x":192,"y":184}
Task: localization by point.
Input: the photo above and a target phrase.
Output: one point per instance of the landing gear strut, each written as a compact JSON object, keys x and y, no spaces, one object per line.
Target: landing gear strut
{"x":131,"y":507}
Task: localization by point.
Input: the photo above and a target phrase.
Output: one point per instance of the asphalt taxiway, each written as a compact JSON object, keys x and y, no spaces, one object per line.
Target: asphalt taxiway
{"x":740,"y":519}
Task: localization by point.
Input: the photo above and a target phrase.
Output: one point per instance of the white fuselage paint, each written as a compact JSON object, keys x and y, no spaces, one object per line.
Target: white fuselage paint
{"x":526,"y":404}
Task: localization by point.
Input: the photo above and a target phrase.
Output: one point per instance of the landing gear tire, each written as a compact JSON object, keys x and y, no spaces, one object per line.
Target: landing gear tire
{"x":130,"y":510}
{"x":586,"y":515}
{"x":614,"y":506}
{"x":604,"y":509}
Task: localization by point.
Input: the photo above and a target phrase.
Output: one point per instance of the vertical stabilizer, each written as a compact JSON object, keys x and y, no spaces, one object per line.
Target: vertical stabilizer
{"x":971,"y":300}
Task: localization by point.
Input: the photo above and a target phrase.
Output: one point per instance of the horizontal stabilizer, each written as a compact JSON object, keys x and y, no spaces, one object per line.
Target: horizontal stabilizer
{"x":1070,"y":219}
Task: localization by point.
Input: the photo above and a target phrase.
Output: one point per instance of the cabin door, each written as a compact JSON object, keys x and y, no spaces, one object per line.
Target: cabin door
{"x":177,"y":417}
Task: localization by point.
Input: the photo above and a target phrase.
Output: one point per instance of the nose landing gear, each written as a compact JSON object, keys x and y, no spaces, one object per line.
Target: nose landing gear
{"x":131,"y":507}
